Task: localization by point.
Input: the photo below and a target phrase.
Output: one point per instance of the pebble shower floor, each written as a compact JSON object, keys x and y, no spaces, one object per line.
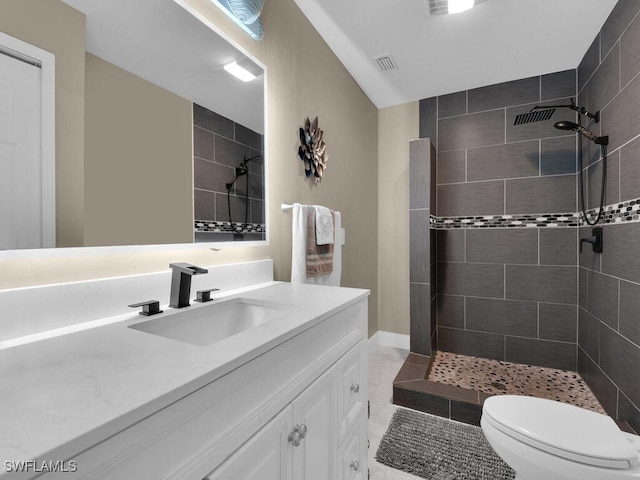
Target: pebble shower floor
{"x":498,"y":378}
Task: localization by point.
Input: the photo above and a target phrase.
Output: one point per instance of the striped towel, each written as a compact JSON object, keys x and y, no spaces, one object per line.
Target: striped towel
{"x":319,"y":257}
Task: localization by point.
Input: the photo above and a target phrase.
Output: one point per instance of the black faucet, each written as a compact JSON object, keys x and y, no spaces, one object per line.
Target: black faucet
{"x":181,"y":283}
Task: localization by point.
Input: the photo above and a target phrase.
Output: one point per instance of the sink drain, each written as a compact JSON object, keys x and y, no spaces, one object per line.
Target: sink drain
{"x":498,"y":385}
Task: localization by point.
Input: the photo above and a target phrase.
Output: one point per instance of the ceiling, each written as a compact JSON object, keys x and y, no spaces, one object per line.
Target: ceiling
{"x":497,"y":41}
{"x":160,"y":41}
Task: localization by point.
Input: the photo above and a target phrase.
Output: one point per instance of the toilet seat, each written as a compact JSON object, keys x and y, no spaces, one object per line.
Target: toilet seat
{"x":563,"y":430}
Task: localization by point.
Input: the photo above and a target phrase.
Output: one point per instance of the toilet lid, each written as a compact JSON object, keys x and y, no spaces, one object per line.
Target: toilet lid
{"x":564,"y":430}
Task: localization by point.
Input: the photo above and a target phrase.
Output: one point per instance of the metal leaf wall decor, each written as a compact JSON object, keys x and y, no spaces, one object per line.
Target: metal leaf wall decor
{"x":313,"y":150}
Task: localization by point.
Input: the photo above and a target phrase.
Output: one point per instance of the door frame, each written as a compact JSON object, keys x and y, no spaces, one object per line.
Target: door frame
{"x":46,"y":60}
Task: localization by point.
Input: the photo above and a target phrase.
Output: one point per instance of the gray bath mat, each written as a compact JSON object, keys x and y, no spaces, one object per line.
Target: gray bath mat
{"x":439,"y":449}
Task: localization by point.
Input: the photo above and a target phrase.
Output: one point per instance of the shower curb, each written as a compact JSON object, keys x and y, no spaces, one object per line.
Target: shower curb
{"x":411,"y":389}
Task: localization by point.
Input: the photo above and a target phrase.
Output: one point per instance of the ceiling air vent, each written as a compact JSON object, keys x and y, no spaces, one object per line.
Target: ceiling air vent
{"x":386,"y":63}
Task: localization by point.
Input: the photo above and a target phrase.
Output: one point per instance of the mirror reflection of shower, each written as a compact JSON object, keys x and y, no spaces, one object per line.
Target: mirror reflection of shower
{"x":541,"y":113}
{"x":241,"y":171}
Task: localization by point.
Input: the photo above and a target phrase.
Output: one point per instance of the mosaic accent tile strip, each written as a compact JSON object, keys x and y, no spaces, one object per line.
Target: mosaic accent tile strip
{"x":499,"y":378}
{"x":615,"y":213}
{"x":226,"y":227}
{"x":507,"y":221}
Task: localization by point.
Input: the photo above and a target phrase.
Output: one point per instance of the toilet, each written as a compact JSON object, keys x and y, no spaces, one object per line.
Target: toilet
{"x":545,"y":439}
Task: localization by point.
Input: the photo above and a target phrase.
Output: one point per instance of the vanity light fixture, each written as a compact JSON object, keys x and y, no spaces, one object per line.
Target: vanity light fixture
{"x":440,"y":7}
{"x":239,"y":72}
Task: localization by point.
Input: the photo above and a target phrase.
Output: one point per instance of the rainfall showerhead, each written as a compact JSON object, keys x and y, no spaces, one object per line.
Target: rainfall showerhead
{"x":542,"y":113}
{"x":534,"y":115}
{"x":566,"y":125}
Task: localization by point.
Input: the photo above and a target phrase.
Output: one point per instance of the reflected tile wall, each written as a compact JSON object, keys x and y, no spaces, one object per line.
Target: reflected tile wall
{"x":219,"y":146}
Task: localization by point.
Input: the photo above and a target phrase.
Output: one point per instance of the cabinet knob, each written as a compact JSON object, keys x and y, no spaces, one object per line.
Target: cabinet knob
{"x":355,"y":388}
{"x":299,"y":432}
{"x":294,"y":438}
{"x":355,"y":465}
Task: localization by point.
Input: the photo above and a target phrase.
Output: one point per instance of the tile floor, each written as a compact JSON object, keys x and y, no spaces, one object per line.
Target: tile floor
{"x":384,"y":363}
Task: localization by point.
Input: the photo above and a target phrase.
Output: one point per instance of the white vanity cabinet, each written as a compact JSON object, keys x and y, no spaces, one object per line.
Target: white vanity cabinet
{"x":321,"y":435}
{"x":301,"y":440}
{"x":298,"y":411}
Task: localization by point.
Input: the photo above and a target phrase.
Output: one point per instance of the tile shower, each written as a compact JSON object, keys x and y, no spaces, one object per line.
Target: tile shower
{"x":219,"y":146}
{"x":495,"y":268}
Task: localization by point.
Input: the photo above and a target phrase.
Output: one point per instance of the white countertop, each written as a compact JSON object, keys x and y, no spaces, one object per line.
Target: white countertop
{"x":62,"y":395}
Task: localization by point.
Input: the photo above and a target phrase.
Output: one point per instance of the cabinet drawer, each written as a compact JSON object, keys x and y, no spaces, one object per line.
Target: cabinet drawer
{"x":352,"y":388}
{"x":353,"y":454}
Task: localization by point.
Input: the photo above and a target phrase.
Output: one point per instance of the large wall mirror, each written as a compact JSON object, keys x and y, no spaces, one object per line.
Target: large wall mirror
{"x":173,"y":146}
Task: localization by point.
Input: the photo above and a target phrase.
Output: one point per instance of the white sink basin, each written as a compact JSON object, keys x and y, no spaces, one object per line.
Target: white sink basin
{"x":213,"y":322}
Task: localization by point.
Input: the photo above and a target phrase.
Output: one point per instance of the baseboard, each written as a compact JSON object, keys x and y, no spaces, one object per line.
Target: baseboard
{"x":388,"y":339}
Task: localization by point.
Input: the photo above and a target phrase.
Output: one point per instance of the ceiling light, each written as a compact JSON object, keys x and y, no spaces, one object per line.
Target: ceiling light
{"x":444,"y":7}
{"x":457,"y":6}
{"x":237,"y":71}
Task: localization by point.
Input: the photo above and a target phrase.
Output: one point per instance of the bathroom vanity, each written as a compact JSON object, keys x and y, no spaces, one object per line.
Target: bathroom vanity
{"x":281,"y":397}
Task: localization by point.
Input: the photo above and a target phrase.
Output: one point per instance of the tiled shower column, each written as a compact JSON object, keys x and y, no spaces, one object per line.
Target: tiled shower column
{"x":422,"y":168}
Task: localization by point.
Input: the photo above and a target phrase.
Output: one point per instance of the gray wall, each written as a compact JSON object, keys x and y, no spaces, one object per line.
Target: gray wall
{"x":609,"y":284}
{"x":516,"y":293}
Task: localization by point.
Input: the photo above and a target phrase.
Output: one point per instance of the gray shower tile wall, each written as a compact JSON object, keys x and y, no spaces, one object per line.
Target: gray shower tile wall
{"x":498,"y":286}
{"x":422,"y":171}
{"x":219,"y":146}
{"x":609,"y":283}
{"x":506,"y":293}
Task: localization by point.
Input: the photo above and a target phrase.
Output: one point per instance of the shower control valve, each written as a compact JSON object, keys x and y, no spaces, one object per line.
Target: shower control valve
{"x":595,"y":240}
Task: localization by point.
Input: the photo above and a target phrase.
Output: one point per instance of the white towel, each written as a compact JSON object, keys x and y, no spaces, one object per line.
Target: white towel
{"x":299,"y":250}
{"x":324,"y":226}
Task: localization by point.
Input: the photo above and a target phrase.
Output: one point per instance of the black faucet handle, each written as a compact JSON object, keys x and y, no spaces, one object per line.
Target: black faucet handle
{"x":149,"y":307}
{"x":204,"y":295}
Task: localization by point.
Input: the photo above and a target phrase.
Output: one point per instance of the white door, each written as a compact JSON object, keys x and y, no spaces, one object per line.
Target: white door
{"x":315,"y":409}
{"x":27,"y":145}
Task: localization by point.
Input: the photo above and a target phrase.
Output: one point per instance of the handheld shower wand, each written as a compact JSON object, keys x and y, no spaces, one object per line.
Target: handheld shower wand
{"x":566,"y":125}
{"x":603,"y":142}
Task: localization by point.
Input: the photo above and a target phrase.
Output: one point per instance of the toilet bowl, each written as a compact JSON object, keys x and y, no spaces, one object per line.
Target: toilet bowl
{"x":544,"y":439}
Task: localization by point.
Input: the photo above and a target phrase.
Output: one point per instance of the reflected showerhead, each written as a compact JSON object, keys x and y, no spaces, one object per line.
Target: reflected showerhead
{"x":567,"y":125}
